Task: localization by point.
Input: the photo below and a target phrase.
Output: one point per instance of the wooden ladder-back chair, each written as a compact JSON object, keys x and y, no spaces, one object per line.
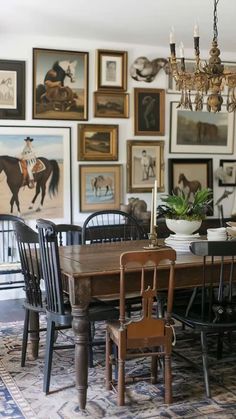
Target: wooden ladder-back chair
{"x":9,"y":257}
{"x":147,"y":331}
{"x":211,"y":310}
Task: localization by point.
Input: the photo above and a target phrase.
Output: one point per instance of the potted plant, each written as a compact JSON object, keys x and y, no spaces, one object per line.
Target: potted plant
{"x":184,"y":215}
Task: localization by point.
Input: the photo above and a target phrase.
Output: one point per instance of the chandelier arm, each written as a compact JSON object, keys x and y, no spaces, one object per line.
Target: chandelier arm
{"x":215,"y":21}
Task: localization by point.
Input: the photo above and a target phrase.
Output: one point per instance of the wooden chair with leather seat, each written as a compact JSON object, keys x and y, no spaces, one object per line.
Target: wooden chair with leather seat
{"x":147,"y":332}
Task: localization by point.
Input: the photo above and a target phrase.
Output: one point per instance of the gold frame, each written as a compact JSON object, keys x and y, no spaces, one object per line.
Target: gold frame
{"x":134,"y":168}
{"x":149,"y":116}
{"x":100,"y":198}
{"x":115,"y":79}
{"x":112,"y":105}
{"x":100,"y":148}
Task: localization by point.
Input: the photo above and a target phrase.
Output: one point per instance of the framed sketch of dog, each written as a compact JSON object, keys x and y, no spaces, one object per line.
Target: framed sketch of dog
{"x":145,"y":164}
{"x":100,"y":187}
{"x":60,"y":84}
{"x":149,"y":111}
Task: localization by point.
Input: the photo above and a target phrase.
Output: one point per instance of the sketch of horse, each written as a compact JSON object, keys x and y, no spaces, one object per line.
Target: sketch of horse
{"x":206,"y":132}
{"x":54,"y":90}
{"x":100,"y":182}
{"x":148,"y":165}
{"x":6,"y":89}
{"x":189,"y":186}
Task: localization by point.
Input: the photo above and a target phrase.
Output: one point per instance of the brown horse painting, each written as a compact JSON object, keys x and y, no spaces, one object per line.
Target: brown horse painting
{"x":10,"y":165}
{"x":191,"y":186}
{"x":206,"y":133}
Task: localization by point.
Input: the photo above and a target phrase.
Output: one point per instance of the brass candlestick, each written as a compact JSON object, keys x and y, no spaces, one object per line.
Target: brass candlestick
{"x":152,"y":236}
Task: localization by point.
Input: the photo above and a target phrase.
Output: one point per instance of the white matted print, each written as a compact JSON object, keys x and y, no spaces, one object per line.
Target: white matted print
{"x":8,"y":89}
{"x":49,"y":195}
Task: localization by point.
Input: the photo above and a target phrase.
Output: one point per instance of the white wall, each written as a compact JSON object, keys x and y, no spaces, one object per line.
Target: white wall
{"x":20,"y":48}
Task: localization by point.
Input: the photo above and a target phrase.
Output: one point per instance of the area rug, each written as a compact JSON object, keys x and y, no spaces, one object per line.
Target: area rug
{"x":21,"y":393}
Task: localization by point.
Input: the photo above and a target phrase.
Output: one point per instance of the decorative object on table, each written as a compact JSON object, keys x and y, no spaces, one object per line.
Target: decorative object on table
{"x":111,"y":70}
{"x":111,"y":104}
{"x":189,"y":175}
{"x":145,"y":162}
{"x":226,"y":176}
{"x":231,"y":229}
{"x":97,"y":142}
{"x":149,"y":111}
{"x":209,"y":78}
{"x":138,"y":209}
{"x":153,"y":222}
{"x":60,"y":84}
{"x":143,"y":69}
{"x":12,"y":89}
{"x":217,"y":234}
{"x":201,"y":132}
{"x":100,"y":187}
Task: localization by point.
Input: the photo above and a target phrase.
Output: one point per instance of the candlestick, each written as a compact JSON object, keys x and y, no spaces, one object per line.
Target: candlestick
{"x":155,"y":204}
{"x":152,"y":203}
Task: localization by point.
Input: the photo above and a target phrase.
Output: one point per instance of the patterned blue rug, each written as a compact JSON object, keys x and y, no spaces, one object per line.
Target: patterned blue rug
{"x":21,"y":388}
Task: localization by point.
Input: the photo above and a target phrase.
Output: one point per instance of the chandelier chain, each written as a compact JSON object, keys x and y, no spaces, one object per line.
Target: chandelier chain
{"x":215,"y":20}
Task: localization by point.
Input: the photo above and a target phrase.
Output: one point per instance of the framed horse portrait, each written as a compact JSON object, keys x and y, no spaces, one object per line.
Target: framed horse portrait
{"x":60,"y":84}
{"x":149,"y":111}
{"x":35,"y":167}
{"x":12,"y":89}
{"x":97,"y":142}
{"x":201,"y":131}
{"x":145,"y":164}
{"x":100,"y":187}
{"x":111,"y":70}
{"x":189,"y":175}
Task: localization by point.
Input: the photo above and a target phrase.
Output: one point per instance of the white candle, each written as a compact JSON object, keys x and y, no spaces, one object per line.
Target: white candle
{"x":172,"y":36}
{"x":196,"y":30}
{"x":151,"y":222}
{"x":155,"y":204}
{"x":181,"y":50}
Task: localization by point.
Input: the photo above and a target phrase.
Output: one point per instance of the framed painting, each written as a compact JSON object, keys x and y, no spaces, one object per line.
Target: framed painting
{"x":97,"y":142}
{"x":201,"y":131}
{"x":60,"y":84}
{"x":149,"y":111}
{"x":35,"y":163}
{"x":229,"y":170}
{"x":145,"y":164}
{"x":111,"y":70}
{"x":100,"y":187}
{"x":111,"y":105}
{"x":12,"y":89}
{"x":188,"y":175}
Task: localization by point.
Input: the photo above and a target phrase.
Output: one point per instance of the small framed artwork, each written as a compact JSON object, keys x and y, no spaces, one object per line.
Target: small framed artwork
{"x":12,"y":89}
{"x":111,"y":104}
{"x":145,"y":164}
{"x":100,"y":187}
{"x":229,"y":170}
{"x":189,"y":175}
{"x":39,"y":186}
{"x":97,"y":142}
{"x":60,"y":84}
{"x":201,"y":131}
{"x":149,"y":111}
{"x":111,"y":70}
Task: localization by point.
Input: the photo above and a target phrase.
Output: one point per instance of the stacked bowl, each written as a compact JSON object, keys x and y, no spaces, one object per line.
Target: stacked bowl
{"x":217,"y":234}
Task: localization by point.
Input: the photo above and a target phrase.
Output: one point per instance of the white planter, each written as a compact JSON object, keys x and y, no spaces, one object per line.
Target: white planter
{"x":183,"y":227}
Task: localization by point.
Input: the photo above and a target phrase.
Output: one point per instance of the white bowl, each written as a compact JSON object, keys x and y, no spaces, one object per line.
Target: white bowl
{"x":183,"y":227}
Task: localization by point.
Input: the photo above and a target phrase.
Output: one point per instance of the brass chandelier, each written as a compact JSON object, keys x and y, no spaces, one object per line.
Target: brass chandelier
{"x":206,"y":79}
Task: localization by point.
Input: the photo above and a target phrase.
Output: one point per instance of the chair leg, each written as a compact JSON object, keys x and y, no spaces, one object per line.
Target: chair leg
{"x":205,"y":363}
{"x":121,"y":382}
{"x":154,"y":370}
{"x":48,"y":356}
{"x":168,"y":380}
{"x":108,"y":361}
{"x":90,"y":347}
{"x":25,"y":337}
{"x":219,"y":345}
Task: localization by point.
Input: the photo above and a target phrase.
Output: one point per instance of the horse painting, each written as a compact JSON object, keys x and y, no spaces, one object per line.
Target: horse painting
{"x":100,"y":182}
{"x":14,"y":177}
{"x":189,"y":186}
{"x":54,"y":92}
{"x":206,"y":133}
{"x":6,"y":90}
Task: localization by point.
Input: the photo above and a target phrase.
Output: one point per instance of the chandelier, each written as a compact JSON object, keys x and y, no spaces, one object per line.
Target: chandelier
{"x":206,"y":79}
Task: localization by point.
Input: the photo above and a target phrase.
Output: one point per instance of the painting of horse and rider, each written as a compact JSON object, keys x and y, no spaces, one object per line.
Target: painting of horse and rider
{"x":33,"y":167}
{"x":60,"y":84}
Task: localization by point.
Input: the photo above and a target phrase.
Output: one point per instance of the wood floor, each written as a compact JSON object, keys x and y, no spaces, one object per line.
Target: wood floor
{"x":11,"y":310}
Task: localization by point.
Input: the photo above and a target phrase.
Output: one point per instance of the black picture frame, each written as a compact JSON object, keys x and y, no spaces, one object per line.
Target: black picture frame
{"x":229,"y":168}
{"x":12,"y":89}
{"x":149,"y":111}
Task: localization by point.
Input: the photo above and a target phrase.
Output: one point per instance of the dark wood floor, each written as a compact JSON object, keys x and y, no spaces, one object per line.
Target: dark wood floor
{"x":11,"y":310}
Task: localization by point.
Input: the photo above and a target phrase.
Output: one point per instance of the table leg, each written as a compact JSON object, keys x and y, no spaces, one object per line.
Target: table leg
{"x":34,"y":336}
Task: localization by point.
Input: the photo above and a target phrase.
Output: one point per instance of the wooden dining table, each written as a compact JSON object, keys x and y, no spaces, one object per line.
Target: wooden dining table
{"x":93,"y":271}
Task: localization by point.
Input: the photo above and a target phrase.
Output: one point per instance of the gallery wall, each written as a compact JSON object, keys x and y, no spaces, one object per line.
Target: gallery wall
{"x":20,"y":48}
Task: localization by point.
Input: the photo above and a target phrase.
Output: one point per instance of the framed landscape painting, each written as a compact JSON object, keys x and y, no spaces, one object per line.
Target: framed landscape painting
{"x":111,"y":104}
{"x":145,"y":164}
{"x":100,"y":187}
{"x":60,"y":84}
{"x":111,"y":70}
{"x":97,"y":142}
{"x":201,"y":131}
{"x":149,"y":111}
{"x":12,"y":89}
{"x":50,"y":195}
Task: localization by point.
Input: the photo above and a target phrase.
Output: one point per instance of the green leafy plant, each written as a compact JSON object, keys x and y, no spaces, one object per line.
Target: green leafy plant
{"x":180,"y":207}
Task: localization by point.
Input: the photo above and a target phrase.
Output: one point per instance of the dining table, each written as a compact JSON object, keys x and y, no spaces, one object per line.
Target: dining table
{"x":93,"y":271}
